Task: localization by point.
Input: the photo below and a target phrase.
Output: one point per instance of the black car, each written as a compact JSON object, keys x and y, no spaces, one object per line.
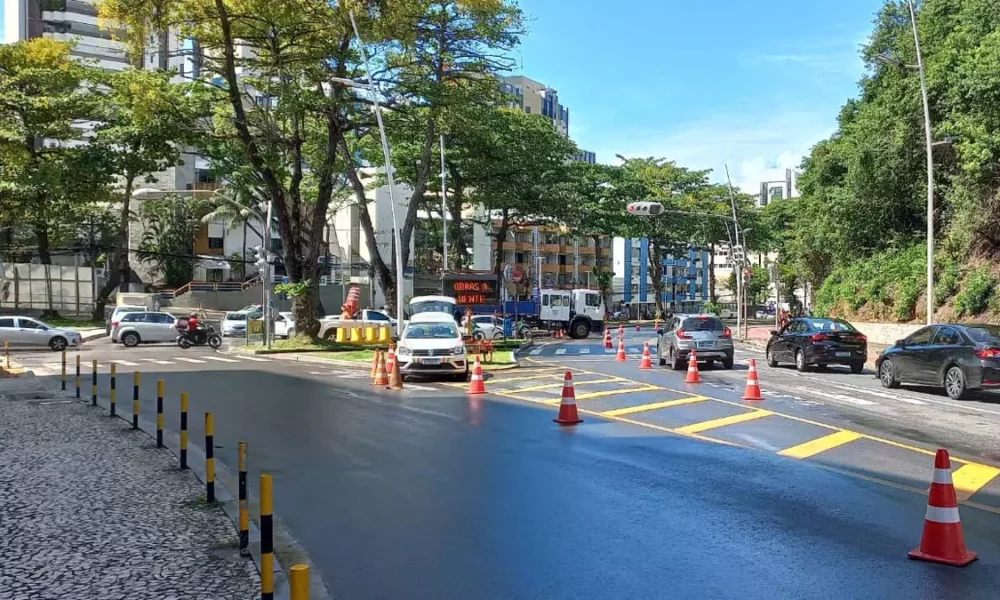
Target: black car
{"x":958,"y":358}
{"x":809,"y":341}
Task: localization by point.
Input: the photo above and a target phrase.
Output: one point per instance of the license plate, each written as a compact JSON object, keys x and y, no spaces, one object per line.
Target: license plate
{"x":706,"y":344}
{"x":430,"y":361}
{"x":842,"y":354}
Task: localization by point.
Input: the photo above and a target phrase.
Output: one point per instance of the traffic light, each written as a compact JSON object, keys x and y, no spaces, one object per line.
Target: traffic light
{"x":645,"y":209}
{"x":261,"y":262}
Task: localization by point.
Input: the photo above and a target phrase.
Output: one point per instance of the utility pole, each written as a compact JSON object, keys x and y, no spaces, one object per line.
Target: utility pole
{"x":444,"y":209}
{"x":930,"y":167}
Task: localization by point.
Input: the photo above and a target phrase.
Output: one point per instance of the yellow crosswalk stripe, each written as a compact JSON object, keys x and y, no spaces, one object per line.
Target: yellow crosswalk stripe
{"x":972,"y":477}
{"x":619,"y":412}
{"x":549,"y":386}
{"x":592,"y":395}
{"x":820,"y":444}
{"x":715,"y":423}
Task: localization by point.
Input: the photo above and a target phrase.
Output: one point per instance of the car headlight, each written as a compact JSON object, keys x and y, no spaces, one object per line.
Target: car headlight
{"x":404,"y":351}
{"x":458,"y":349}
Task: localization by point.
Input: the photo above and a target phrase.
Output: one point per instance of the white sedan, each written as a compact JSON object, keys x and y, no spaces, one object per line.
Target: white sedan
{"x":22,"y":332}
{"x":432,"y":344}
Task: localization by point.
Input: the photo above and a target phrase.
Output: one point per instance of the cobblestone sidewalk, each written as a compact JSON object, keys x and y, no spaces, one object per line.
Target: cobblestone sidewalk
{"x":91,"y":509}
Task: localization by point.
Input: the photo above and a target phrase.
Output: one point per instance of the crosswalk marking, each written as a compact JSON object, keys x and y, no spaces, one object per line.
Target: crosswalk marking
{"x":880,"y":394}
{"x":841,"y":397}
{"x":255,"y":359}
{"x":189,"y":360}
{"x":536,"y":352}
{"x":560,"y":351}
{"x":221,"y":359}
{"x":584,"y":350}
{"x":124,"y":363}
{"x":157,"y":361}
{"x":421,"y":388}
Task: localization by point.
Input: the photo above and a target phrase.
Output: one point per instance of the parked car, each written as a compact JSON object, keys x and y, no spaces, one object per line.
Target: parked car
{"x":136,"y":328}
{"x":490,"y":326}
{"x":958,"y":358}
{"x":705,"y":334}
{"x":814,"y":341}
{"x":23,"y":332}
{"x":116,"y":317}
{"x":235,"y":323}
{"x":432,"y":343}
{"x":284,"y":325}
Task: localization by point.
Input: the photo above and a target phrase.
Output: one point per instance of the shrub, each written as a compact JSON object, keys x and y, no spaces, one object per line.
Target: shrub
{"x":975,"y":295}
{"x":947,"y":283}
{"x":711,"y":308}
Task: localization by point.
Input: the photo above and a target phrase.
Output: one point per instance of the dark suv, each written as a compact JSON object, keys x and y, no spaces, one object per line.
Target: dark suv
{"x":705,"y":334}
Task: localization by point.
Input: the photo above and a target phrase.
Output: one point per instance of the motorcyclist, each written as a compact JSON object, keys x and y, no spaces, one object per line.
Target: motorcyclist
{"x":197,"y":335}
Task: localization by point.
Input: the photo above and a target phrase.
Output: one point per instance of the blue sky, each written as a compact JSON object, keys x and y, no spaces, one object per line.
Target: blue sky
{"x":747,"y":83}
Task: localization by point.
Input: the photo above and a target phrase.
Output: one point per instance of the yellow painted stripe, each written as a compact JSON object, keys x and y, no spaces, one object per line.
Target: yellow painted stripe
{"x":715,"y":423}
{"x":592,"y":395}
{"x":619,"y":412}
{"x":971,"y":477}
{"x":820,"y":444}
{"x":549,"y":386}
{"x":558,"y":376}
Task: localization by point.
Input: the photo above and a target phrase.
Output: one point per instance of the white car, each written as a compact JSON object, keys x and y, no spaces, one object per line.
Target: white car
{"x":234,"y":323}
{"x":136,"y":328}
{"x":432,"y":344}
{"x":23,"y":332}
{"x":284,"y":325}
{"x":116,"y":317}
{"x":492,"y":327}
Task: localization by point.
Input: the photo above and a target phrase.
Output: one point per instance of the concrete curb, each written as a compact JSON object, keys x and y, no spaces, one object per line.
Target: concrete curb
{"x":284,"y":543}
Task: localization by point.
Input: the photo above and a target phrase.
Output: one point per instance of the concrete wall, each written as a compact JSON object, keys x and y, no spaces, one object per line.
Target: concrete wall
{"x":332,"y":297}
{"x":886,"y":333}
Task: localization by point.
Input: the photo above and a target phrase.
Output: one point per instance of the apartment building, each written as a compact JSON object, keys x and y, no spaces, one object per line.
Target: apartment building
{"x":686,"y":278}
{"x":536,"y":98}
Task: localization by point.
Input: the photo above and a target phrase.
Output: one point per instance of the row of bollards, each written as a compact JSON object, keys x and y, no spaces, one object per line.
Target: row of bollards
{"x":299,"y":573}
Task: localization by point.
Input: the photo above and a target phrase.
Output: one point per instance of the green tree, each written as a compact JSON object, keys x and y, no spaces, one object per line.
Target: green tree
{"x":169,"y":226}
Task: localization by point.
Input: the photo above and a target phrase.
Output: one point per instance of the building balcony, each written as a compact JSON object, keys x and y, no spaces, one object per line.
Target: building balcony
{"x":588,"y":250}
{"x":551,"y":249}
{"x":586,"y":268}
{"x":551,"y":268}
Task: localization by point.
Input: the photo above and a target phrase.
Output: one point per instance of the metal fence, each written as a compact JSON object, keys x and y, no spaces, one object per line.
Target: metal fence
{"x":66,"y":289}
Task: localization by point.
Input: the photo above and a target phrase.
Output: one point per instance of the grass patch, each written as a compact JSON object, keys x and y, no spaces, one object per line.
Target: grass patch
{"x":302,"y":344}
{"x":67,"y":323}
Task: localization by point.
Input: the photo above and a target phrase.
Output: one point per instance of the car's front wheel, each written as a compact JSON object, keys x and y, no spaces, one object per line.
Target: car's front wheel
{"x":727,"y":363}
{"x":58,"y":343}
{"x":659,"y":356}
{"x":800,"y":361}
{"x":771,"y":361}
{"x":676,"y":362}
{"x":954,"y":383}
{"x":887,"y":374}
{"x":130,"y":339}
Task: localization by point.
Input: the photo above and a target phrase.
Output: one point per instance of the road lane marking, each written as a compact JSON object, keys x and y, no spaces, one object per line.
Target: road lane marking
{"x":189,"y":360}
{"x":124,"y":363}
{"x":592,"y":395}
{"x":560,"y":351}
{"x":879,"y":394}
{"x":157,"y":361}
{"x":841,"y":397}
{"x":536,"y":352}
{"x":549,"y":386}
{"x":558,"y":375}
{"x":972,"y":477}
{"x":654,"y":406}
{"x":821,"y":444}
{"x":255,"y":359}
{"x":584,"y":350}
{"x":420,"y":388}
{"x":221,"y":359}
{"x":724,"y":421}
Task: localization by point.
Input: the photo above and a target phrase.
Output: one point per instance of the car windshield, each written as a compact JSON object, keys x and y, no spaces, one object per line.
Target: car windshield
{"x":831,"y":325}
{"x":432,"y":306}
{"x":984,"y":334}
{"x":431,"y":331}
{"x":702,"y":324}
{"x":236,"y":317}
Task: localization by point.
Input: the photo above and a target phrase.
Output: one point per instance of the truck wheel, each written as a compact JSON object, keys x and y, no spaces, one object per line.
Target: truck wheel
{"x":580,"y":330}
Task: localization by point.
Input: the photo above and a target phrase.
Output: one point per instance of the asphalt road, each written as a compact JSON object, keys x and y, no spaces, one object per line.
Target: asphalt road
{"x":428,"y":493}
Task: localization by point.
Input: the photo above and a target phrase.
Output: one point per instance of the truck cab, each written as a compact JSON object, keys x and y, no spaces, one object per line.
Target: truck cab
{"x":579,"y":312}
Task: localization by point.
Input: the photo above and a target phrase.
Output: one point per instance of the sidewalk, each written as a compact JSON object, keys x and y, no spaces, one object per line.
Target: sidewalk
{"x":91,"y":509}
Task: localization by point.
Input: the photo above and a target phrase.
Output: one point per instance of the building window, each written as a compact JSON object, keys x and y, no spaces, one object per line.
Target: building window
{"x":275,"y":244}
{"x":527,"y":109}
{"x":215,"y":243}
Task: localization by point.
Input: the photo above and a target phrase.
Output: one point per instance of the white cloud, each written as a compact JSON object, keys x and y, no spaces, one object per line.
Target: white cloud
{"x":755,"y":148}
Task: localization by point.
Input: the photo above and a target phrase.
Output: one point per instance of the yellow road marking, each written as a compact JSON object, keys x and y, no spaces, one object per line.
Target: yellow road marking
{"x":654,"y":406}
{"x":820,"y":444}
{"x":528,"y":378}
{"x":724,"y":421}
{"x":592,"y":395}
{"x":549,"y":386}
{"x":971,"y":478}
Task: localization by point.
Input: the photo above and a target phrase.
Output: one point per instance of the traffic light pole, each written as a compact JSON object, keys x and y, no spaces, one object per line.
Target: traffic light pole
{"x":266,"y":277}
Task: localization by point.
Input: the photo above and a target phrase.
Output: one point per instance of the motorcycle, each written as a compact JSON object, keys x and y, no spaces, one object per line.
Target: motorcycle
{"x":186,"y":339}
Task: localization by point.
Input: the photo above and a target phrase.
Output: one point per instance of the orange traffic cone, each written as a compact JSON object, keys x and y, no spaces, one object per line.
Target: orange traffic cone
{"x":647,"y":361}
{"x":381,"y":377}
{"x":656,"y":324}
{"x":391,"y":359}
{"x":943,"y":540}
{"x":375,"y":364}
{"x":621,"y":332}
{"x":477,"y":385}
{"x":621,"y":351}
{"x":567,"y":408}
{"x":607,"y":340}
{"x":395,"y":377}
{"x":752,"y":391}
{"x":692,"y":376}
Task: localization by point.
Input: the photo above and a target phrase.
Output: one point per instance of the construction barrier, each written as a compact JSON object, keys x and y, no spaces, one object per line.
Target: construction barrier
{"x":355,"y":335}
{"x":78,"y":376}
{"x":136,"y":380}
{"x":384,"y":334}
{"x":63,"y":386}
{"x":244,"y":515}
{"x":341,"y":335}
{"x":93,"y":384}
{"x":159,"y":413}
{"x":266,"y":538}
{"x":298,"y":577}
{"x":371,"y":335}
{"x":113,"y":393}
{"x":209,"y":458}
{"x":184,"y":430}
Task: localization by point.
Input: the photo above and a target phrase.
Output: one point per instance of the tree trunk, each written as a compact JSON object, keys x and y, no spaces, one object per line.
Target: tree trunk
{"x":501,"y":235}
{"x":42,"y":240}
{"x":117,"y":274}
{"x":455,"y":238}
{"x":243,"y":265}
{"x":656,"y":270}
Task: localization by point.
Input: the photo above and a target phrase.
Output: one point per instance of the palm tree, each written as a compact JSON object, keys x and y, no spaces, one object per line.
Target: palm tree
{"x":237,"y":206}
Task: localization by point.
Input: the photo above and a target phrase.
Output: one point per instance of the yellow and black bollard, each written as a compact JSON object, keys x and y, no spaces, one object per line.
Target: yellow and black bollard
{"x":113,"y":392}
{"x":159,"y":413}
{"x":136,"y":380}
{"x":266,"y":538}
{"x":93,"y":385}
{"x":210,"y":458}
{"x":299,"y":582}
{"x":184,"y":430}
{"x":63,"y":387}
{"x":77,"y":375}
{"x":244,"y":515}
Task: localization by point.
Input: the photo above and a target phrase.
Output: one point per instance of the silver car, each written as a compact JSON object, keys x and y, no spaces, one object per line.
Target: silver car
{"x":705,"y":334}
{"x":23,"y":332}
{"x":136,"y":328}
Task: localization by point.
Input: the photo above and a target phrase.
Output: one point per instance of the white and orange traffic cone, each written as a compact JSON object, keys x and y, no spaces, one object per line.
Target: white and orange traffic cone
{"x":375,"y":364}
{"x":647,"y":360}
{"x":752,"y":391}
{"x":693,"y":376}
{"x":395,"y":377}
{"x":567,"y":407}
{"x":943,"y":540}
{"x":656,"y":324}
{"x":476,"y":384}
{"x":390,"y":361}
{"x":607,"y":339}
{"x":621,"y":352}
{"x":381,"y":377}
{"x":621,"y":332}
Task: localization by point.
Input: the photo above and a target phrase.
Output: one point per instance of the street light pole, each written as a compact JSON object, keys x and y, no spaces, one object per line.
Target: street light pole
{"x":444,"y":209}
{"x":739,"y":272}
{"x":390,"y":179}
{"x":930,"y":167}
